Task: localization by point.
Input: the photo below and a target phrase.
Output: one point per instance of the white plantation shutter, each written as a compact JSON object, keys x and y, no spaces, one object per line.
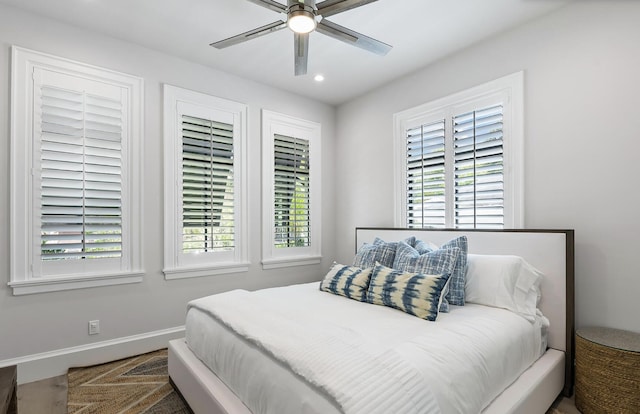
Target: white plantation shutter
{"x":291,"y":192}
{"x":207,"y":186}
{"x":479,"y":168}
{"x":455,"y":170}
{"x":291,"y":188}
{"x":461,"y":159}
{"x":425,"y":184}
{"x":76,"y":159}
{"x":80,"y":175}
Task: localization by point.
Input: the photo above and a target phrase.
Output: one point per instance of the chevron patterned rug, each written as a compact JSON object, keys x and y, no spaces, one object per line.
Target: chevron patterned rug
{"x":138,"y":385}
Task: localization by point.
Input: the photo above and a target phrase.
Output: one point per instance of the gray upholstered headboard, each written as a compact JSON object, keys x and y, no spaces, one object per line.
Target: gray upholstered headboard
{"x":550,"y":251}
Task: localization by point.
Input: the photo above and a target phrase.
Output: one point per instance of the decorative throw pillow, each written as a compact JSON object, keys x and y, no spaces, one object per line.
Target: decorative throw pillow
{"x":414,"y":293}
{"x":423,"y":247}
{"x":456,"y":294}
{"x":349,"y":281}
{"x":379,"y":251}
{"x":433,"y":262}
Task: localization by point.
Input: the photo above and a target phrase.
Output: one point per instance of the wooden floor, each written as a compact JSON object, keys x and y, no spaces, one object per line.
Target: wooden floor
{"x":567,"y":405}
{"x":46,"y":396}
{"x":50,"y":396}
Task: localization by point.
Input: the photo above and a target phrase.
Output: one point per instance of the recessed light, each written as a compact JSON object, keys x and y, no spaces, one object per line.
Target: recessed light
{"x":318,"y":78}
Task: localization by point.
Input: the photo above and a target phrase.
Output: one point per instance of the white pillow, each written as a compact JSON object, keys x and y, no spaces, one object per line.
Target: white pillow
{"x":507,"y":282}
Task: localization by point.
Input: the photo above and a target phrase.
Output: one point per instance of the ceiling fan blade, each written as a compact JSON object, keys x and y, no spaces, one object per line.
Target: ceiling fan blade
{"x":271,"y":5}
{"x":330,"y":7}
{"x":353,"y":38}
{"x":251,"y":34}
{"x":301,"y":51}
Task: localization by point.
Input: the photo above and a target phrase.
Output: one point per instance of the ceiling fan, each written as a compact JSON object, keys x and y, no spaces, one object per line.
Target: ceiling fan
{"x":303,"y":17}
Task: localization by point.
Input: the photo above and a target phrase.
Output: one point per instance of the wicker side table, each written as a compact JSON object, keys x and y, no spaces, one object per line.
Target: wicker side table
{"x":607,"y":371}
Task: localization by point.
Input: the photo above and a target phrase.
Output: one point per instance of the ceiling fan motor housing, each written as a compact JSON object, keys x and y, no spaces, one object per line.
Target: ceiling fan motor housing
{"x":301,"y":17}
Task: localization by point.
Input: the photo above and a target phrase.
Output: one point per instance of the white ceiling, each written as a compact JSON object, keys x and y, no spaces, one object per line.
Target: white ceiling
{"x":420,"y":31}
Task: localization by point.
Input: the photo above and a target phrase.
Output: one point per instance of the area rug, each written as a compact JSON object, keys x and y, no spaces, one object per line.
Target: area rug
{"x":133,"y":386}
{"x":137,"y":385}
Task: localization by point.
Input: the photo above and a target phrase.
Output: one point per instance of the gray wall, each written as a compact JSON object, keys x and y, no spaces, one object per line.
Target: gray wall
{"x":582,"y":105}
{"x":43,"y":322}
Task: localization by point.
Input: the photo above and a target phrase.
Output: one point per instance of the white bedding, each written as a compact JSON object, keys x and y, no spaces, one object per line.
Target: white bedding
{"x":466,"y":357}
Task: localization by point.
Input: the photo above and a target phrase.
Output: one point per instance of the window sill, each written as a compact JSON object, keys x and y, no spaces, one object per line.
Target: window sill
{"x":189,"y":272}
{"x":55,"y":284}
{"x":290,"y":261}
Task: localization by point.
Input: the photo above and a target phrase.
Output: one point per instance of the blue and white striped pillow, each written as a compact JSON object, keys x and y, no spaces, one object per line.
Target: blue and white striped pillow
{"x":414,"y":293}
{"x":432,"y":262}
{"x":348,"y":281}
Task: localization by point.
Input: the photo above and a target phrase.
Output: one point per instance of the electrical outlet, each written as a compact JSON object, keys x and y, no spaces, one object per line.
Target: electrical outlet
{"x":94,"y":327}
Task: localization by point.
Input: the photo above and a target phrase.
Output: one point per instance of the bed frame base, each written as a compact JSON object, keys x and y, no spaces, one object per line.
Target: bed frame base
{"x":536,"y":388}
{"x":201,"y":388}
{"x":532,"y":393}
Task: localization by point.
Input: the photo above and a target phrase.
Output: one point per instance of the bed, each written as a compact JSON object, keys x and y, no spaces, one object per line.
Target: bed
{"x":272,"y":382}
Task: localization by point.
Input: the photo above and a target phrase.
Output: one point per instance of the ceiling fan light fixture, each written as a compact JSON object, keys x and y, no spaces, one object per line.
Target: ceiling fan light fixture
{"x":301,"y":20}
{"x":303,"y":17}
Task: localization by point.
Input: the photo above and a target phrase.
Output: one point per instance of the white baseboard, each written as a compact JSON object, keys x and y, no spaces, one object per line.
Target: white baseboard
{"x":53,"y":363}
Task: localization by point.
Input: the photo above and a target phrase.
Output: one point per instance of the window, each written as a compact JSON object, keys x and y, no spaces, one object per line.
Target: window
{"x":75,"y":180}
{"x":205,"y":185}
{"x":80,"y":175}
{"x":291,"y":191}
{"x":459,"y":159}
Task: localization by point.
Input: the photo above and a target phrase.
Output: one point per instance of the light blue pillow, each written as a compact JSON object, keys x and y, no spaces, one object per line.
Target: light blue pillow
{"x":423,"y":246}
{"x":456,"y":294}
{"x":380,"y":251}
{"x":414,"y":293}
{"x":348,"y":281}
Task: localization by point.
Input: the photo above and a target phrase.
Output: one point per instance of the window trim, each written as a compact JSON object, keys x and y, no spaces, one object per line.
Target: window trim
{"x":276,"y":123}
{"x":174,"y":267}
{"x":22,"y":232}
{"x":510,"y":89}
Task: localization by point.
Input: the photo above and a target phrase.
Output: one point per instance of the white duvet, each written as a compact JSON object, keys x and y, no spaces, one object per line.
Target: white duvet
{"x":460,"y":362}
